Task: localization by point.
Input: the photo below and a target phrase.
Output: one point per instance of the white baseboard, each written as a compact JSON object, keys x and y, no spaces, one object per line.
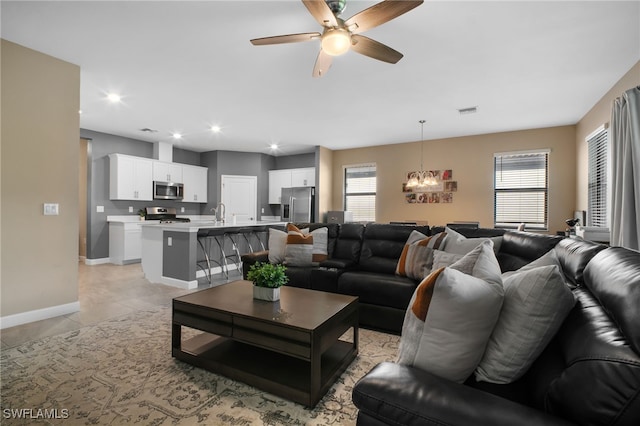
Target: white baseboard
{"x":38,"y":315}
{"x":92,"y":262}
{"x":174,"y":282}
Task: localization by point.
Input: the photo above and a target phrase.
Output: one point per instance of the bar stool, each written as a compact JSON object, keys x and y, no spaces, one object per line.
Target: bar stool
{"x":206,"y":238}
{"x":234,"y":235}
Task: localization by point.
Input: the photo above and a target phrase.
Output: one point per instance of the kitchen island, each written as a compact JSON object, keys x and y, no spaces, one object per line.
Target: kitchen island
{"x":170,"y":251}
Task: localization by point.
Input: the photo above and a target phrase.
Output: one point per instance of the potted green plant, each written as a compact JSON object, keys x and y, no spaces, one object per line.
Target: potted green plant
{"x":142,"y":213}
{"x":267,"y":280}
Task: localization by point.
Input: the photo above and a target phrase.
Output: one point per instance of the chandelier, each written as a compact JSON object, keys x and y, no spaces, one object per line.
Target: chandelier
{"x":422,"y":178}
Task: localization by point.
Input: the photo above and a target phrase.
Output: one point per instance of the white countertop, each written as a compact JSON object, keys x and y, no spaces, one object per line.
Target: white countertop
{"x":196,"y":225}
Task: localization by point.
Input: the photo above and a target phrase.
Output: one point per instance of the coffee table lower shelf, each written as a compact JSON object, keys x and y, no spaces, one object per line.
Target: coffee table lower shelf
{"x":277,"y":373}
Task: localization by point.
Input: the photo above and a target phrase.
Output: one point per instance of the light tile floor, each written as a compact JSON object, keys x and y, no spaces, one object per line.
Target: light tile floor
{"x":105,"y":291}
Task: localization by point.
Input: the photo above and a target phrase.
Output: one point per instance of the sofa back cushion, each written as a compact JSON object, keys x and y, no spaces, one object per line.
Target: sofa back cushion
{"x":573,"y":255}
{"x":348,"y":243}
{"x":383,"y":244}
{"x":599,"y":344}
{"x":613,"y":276}
{"x":519,"y":248}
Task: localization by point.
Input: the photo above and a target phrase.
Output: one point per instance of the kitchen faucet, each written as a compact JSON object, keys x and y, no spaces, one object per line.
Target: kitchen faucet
{"x":222,"y":212}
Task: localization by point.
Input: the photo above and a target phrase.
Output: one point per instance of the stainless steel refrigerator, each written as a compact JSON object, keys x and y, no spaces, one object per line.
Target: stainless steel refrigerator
{"x":298,"y":204}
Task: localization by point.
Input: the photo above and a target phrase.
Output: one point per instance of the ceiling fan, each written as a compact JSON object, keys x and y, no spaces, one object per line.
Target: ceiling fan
{"x":339,"y":35}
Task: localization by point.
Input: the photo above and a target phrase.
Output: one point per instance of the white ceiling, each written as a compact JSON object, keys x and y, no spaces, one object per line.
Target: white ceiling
{"x":182,"y":66}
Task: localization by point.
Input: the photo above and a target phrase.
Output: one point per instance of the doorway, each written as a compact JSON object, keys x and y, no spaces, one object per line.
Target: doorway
{"x":240,"y":197}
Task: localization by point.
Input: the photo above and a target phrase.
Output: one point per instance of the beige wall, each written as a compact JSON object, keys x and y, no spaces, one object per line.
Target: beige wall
{"x":40,"y":133}
{"x":471,"y":159}
{"x":598,"y":115}
{"x":325,"y":181}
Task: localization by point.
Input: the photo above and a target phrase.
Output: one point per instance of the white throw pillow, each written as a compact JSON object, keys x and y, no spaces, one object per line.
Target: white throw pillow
{"x":299,"y":249}
{"x":536,"y":302}
{"x":442,"y":259}
{"x":320,"y":244}
{"x":459,"y":244}
{"x":451,"y":315}
{"x":277,"y":246}
{"x":416,"y":259}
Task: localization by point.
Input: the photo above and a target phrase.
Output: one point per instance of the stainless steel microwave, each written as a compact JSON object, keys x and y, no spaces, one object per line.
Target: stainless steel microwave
{"x":167,"y":190}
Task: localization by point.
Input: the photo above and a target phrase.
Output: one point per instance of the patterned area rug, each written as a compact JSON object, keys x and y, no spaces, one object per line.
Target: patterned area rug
{"x":121,"y":372}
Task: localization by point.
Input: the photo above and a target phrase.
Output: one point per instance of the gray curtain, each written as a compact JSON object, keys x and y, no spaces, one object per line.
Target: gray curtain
{"x":625,"y":165}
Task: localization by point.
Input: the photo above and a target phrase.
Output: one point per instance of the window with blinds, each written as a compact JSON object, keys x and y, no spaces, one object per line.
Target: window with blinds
{"x":598,"y":199}
{"x":360,"y":192}
{"x":521,"y":189}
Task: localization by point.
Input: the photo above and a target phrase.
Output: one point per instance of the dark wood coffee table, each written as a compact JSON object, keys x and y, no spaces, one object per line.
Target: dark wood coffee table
{"x":291,"y":348}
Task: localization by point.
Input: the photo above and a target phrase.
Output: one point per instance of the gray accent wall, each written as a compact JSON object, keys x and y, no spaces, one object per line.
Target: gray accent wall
{"x":100,"y":146}
{"x":218,"y":162}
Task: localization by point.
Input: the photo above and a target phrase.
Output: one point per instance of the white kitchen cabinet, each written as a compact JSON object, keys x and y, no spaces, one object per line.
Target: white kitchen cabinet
{"x":125,"y":242}
{"x":303,"y":177}
{"x":278,"y":179}
{"x":195,"y":184}
{"x":130,"y":178}
{"x":287,"y":178}
{"x":167,"y":172}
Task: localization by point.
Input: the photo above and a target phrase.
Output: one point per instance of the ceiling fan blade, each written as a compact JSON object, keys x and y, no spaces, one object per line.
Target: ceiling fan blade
{"x":379,"y":13}
{"x":374,"y":49}
{"x":323,"y":63}
{"x":321,"y":12}
{"x":289,"y":38}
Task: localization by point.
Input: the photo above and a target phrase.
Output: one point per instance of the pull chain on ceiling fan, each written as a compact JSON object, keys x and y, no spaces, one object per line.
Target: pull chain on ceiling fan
{"x":339,"y":36}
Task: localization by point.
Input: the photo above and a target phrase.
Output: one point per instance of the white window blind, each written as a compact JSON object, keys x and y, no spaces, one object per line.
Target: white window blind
{"x":360,"y":192}
{"x":598,"y":199}
{"x":520,"y":189}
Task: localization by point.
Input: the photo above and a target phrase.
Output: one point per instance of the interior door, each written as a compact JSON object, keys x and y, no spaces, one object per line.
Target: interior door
{"x":240,"y":198}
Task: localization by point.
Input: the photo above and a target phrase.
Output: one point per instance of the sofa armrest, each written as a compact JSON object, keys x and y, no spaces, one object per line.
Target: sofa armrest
{"x":402,"y":395}
{"x":251,"y":259}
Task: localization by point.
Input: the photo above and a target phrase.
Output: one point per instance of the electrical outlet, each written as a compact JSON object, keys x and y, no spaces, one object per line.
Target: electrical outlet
{"x":99,"y":209}
{"x":169,"y":241}
{"x":263,"y":210}
{"x":181,"y":209}
{"x":51,"y":209}
{"x":130,"y":209}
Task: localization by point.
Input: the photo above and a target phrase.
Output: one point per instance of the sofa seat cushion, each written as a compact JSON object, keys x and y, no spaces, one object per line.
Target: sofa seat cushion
{"x":377,"y":289}
{"x":402,"y":395}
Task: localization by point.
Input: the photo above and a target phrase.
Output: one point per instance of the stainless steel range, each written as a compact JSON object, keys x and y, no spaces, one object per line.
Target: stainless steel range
{"x":164,"y":215}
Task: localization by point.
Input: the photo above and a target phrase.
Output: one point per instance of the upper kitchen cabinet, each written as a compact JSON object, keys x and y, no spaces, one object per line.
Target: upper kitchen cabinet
{"x":303,"y":177}
{"x":167,"y":172}
{"x":287,"y":178}
{"x":130,"y":178}
{"x":194,"y":179}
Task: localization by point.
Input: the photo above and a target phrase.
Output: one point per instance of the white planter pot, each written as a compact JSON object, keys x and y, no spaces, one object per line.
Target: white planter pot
{"x":266,"y":293}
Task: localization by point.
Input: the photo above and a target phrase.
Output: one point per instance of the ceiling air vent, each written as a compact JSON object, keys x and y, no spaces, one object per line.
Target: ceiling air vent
{"x":470,"y":110}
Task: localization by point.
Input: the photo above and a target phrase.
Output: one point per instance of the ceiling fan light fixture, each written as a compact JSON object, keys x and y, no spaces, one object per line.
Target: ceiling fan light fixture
{"x":336,"y":42}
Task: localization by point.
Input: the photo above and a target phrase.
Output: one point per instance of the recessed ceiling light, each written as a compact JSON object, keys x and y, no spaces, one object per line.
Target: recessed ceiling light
{"x":114,"y":98}
{"x":177,"y":136}
{"x":274,"y":146}
{"x":215,"y":129}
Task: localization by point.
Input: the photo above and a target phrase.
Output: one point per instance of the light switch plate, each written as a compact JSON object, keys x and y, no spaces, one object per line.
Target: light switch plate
{"x":51,"y":209}
{"x":99,"y":209}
